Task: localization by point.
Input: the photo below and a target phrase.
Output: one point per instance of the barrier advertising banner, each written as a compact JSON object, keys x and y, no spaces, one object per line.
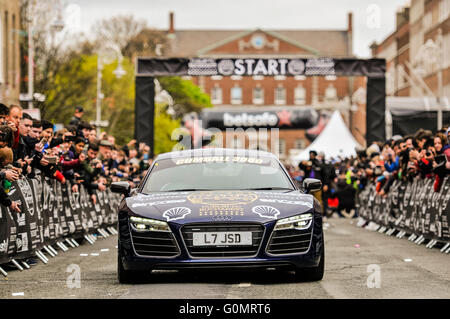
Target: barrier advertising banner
{"x":411,"y":206}
{"x":50,"y":212}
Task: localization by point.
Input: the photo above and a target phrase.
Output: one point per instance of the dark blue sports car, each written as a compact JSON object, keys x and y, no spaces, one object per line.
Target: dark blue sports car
{"x":219,"y":208}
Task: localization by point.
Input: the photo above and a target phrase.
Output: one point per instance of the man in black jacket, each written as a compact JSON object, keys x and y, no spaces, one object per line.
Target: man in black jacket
{"x":76,"y":119}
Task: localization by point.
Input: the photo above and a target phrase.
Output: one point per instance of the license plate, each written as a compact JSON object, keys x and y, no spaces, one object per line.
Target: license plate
{"x":222,"y":238}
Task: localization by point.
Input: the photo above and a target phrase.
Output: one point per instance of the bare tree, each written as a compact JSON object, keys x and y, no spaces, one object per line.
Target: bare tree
{"x":149,"y":42}
{"x":52,"y":49}
{"x":118,"y":30}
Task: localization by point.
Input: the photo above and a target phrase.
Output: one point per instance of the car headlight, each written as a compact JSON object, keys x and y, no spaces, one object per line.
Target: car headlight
{"x":146,"y":224}
{"x":298,"y":222}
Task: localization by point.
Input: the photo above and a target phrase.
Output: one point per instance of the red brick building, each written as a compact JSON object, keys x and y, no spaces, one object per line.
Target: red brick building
{"x":418,"y":51}
{"x":249,"y":92}
{"x":9,"y":52}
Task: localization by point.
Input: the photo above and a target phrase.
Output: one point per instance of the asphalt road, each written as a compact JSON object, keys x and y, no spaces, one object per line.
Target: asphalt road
{"x":352,"y":256}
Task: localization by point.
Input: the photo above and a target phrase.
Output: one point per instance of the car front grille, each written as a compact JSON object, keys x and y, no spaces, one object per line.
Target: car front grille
{"x":289,"y":241}
{"x":154,"y":244}
{"x":222,"y":251}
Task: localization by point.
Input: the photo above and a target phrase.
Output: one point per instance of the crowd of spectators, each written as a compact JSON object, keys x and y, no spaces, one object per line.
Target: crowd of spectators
{"x":75,"y":155}
{"x":423,"y":155}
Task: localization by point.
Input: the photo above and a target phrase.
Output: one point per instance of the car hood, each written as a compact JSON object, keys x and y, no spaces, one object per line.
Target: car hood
{"x":207,"y":206}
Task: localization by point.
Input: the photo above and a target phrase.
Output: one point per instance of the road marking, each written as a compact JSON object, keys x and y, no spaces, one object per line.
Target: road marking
{"x":15,"y":294}
{"x":84,"y":255}
{"x":95,"y":254}
{"x":244,"y":285}
{"x":407,"y":260}
{"x":104,"y":249}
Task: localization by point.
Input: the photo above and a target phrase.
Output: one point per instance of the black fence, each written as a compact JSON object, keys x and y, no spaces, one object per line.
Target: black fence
{"x":51,"y":212}
{"x":412,"y":207}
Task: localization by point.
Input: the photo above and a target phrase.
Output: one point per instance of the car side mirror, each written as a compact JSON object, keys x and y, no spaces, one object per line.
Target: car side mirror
{"x":121,"y":188}
{"x":312,"y":185}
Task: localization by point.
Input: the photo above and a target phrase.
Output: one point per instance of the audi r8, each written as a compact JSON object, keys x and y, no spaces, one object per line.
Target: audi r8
{"x":219,"y":208}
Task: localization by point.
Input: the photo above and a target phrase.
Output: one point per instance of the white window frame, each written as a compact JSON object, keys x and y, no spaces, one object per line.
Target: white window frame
{"x":300,"y":142}
{"x":232,"y":99}
{"x":328,"y":98}
{"x":300,"y":98}
{"x":256,"y":99}
{"x":278,"y":101}
{"x":2,"y":50}
{"x":444,"y":10}
{"x":281,"y":147}
{"x":216,"y":98}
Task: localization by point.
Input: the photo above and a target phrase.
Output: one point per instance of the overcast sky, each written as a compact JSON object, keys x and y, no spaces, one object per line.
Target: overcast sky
{"x":372,"y":20}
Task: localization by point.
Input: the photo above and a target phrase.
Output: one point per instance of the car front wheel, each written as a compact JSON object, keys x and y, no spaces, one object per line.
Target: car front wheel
{"x":130,"y":276}
{"x":314,"y":273}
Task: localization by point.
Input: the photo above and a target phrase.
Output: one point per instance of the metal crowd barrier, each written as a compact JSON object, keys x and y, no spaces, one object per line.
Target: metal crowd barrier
{"x":52,"y":216}
{"x":411,"y":209}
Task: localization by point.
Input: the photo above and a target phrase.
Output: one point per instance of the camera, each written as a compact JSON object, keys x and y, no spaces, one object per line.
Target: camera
{"x":70,"y":138}
{"x":51,"y":159}
{"x":377,"y":170}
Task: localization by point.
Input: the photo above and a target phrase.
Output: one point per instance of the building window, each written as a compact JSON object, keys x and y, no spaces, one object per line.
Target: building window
{"x":400,"y":76}
{"x":300,"y":144}
{"x":216,"y":95}
{"x":258,"y":95}
{"x":2,"y":52}
{"x":417,"y":10}
{"x":444,"y":10}
{"x":14,"y":56}
{"x":280,"y":96}
{"x":236,"y":95}
{"x":6,"y":63}
{"x":330,"y":93}
{"x":446,"y":50}
{"x":281,"y":147}
{"x":427,"y":21}
{"x":300,"y":95}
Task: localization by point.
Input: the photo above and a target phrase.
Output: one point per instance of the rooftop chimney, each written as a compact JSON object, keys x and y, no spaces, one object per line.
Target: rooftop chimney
{"x":350,"y":34}
{"x":350,"y":22}
{"x":171,"y":23}
{"x":374,"y":48}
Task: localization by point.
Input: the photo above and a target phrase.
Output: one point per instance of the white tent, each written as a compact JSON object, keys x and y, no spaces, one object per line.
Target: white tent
{"x":335,"y":140}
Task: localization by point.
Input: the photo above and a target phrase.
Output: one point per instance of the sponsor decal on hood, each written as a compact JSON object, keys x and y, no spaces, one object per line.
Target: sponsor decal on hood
{"x":207,"y":206}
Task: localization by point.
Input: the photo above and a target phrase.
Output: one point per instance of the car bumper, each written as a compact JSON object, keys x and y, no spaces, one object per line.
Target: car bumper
{"x":132,"y":261}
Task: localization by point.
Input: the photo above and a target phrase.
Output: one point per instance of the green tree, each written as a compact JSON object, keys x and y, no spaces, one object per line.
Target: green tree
{"x":187,"y":96}
{"x":75,"y":84}
{"x":164,"y":127}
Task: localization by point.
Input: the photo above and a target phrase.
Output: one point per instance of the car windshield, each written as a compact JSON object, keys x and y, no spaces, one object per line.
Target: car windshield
{"x":216,"y":173}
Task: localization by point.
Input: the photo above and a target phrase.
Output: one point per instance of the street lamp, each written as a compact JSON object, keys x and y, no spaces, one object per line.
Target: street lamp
{"x":58,"y":24}
{"x":119,"y":72}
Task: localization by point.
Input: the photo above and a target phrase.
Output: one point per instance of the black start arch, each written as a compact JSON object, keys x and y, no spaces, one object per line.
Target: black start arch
{"x":148,"y":68}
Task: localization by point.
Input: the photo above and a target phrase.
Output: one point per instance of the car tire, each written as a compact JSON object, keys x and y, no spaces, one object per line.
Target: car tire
{"x":314,"y":273}
{"x":130,"y":276}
